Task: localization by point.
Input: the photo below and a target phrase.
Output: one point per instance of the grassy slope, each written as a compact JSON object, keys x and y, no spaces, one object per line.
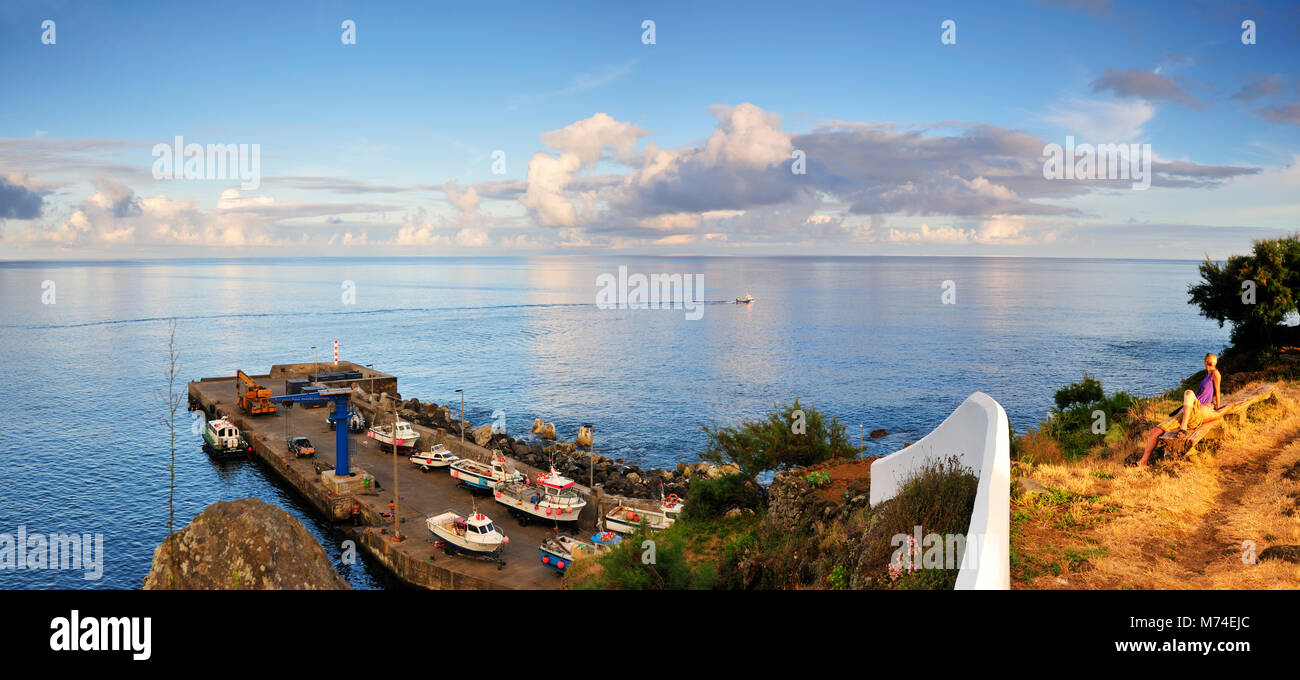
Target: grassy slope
{"x":1180,"y":524}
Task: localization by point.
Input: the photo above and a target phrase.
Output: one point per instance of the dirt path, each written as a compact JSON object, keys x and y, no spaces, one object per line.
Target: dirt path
{"x":1243,"y":473}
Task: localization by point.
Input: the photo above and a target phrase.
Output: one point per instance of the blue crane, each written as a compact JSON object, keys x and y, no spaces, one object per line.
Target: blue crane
{"x":340,"y":397}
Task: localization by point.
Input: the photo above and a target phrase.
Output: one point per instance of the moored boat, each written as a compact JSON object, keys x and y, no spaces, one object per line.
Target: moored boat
{"x":550,"y":498}
{"x":474,"y":535}
{"x":405,"y":434}
{"x":484,"y":477}
{"x":221,"y":439}
{"x":437,"y":457}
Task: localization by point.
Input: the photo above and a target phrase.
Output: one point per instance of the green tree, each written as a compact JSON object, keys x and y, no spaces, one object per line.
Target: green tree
{"x":792,"y":435}
{"x":1252,"y":292}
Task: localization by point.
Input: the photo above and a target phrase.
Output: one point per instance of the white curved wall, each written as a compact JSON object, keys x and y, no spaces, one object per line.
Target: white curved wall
{"x":977,"y":434}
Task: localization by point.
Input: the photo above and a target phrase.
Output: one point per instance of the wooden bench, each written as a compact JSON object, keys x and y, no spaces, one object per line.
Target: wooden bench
{"x":1234,"y":405}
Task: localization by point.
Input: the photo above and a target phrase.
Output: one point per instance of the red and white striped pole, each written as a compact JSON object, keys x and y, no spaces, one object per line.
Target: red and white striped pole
{"x":336,"y":352}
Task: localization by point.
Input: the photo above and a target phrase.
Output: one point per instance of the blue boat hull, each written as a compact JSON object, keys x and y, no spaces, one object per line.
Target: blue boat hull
{"x":553,"y":560}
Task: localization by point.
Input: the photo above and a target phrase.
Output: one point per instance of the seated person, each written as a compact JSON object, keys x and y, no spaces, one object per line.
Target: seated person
{"x":1198,"y":408}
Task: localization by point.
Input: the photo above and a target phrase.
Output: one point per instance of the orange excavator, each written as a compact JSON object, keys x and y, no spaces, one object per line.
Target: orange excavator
{"x":252,"y":397}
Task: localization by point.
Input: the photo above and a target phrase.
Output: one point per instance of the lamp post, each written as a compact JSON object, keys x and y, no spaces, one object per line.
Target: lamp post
{"x":462,"y":415}
{"x":397,"y":495}
{"x":315,"y":360}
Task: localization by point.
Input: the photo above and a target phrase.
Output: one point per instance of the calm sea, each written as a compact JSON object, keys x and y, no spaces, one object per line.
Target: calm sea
{"x":83,"y":448}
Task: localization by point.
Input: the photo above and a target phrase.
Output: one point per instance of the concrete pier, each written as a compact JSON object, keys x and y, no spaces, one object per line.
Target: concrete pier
{"x":414,"y":561}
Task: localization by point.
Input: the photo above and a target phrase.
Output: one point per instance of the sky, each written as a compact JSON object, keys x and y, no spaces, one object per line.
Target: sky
{"x":730,"y":128}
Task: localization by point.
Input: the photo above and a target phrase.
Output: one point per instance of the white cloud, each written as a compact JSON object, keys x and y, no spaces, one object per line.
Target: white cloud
{"x":1101,"y":121}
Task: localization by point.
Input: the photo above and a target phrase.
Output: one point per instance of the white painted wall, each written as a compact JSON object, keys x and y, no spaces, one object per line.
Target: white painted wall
{"x":977,"y":434}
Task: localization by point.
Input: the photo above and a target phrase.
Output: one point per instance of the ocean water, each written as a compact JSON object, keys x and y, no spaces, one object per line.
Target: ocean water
{"x":84,"y":449}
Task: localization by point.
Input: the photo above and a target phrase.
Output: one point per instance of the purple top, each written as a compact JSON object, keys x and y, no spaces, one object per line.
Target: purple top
{"x":1206,"y":393}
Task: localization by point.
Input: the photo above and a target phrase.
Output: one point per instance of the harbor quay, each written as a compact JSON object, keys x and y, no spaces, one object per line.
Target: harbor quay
{"x":372,"y":481}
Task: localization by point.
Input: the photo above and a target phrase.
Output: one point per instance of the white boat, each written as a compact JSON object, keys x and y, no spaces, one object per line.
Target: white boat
{"x":558,"y":552}
{"x":474,"y":535}
{"x":625,"y":519}
{"x":483,"y":476}
{"x":222,"y":438}
{"x":437,"y":457}
{"x":406,"y":435}
{"x":551,"y":498}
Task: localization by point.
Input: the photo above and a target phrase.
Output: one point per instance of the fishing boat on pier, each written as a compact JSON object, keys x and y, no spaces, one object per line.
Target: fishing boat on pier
{"x":474,"y":535}
{"x":437,"y":457}
{"x":550,"y":498}
{"x":406,"y":435}
{"x":559,"y":551}
{"x":484,"y":477}
{"x":625,"y":519}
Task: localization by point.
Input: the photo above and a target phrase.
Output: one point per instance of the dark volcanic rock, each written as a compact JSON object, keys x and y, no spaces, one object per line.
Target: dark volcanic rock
{"x":245,"y":544}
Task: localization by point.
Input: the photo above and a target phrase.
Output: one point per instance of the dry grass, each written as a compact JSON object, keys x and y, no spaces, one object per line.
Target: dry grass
{"x":1037,"y":447}
{"x":1180,"y":523}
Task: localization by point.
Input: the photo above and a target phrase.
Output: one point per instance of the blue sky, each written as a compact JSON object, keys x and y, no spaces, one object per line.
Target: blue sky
{"x":385,"y":146}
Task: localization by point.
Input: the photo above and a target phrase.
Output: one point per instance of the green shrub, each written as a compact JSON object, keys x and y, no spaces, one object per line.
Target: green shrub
{"x":818,"y":479}
{"x":773,"y":443}
{"x":1085,"y":392}
{"x":839,"y":578}
{"x":623,"y":568}
{"x":1071,"y":425}
{"x":710,"y":498}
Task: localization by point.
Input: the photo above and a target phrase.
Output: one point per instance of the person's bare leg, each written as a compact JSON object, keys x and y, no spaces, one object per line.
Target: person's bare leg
{"x":1152,"y":437}
{"x":1189,"y":402}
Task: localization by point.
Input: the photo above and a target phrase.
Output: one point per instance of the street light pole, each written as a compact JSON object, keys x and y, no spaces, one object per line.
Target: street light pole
{"x":315,"y":360}
{"x":462,"y":415}
{"x":397,"y":495}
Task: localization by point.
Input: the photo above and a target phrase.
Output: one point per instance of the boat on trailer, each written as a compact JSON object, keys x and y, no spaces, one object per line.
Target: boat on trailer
{"x":472,"y":535}
{"x":625,"y":519}
{"x":483,"y":476}
{"x":550,"y":498}
{"x":222,"y":439}
{"x":406,"y":435}
{"x":437,"y":457}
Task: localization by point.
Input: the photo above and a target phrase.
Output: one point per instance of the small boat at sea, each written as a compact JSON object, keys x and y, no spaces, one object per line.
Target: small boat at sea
{"x":437,"y":457}
{"x":745,"y":300}
{"x":222,"y":439}
{"x":406,"y":435}
{"x":550,"y":498}
{"x":625,"y":519}
{"x":482,"y":476}
{"x":474,"y":535}
{"x":559,"y":551}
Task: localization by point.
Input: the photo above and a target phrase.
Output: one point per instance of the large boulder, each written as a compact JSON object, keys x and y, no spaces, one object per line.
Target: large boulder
{"x":538,"y":424}
{"x":482,"y":434}
{"x":584,"y":436}
{"x":246,"y":544}
{"x":723,"y":470}
{"x":548,"y":431}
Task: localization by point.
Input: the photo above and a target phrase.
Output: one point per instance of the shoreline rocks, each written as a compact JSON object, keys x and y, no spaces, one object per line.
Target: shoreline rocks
{"x":569,"y":457}
{"x":246,"y":544}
